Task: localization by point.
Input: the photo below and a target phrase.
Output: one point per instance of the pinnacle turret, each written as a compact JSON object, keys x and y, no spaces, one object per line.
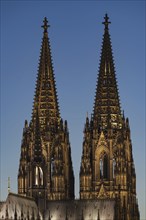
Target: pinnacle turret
{"x":107,"y":111}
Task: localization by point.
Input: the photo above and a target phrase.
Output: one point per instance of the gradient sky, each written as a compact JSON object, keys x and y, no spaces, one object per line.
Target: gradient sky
{"x":76,"y":35}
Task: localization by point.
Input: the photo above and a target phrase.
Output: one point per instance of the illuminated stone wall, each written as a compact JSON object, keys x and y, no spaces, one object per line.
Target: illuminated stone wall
{"x":21,"y":207}
{"x":80,"y":210}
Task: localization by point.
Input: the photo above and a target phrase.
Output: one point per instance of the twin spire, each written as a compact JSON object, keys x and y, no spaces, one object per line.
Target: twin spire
{"x":46,"y":140}
{"x":107,"y":166}
{"x":107,"y":110}
{"x":45,"y":99}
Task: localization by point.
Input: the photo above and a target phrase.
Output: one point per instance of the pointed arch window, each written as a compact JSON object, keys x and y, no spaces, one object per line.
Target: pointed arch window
{"x":103,"y":166}
{"x":52,"y":165}
{"x":39,"y":176}
{"x":114,"y":164}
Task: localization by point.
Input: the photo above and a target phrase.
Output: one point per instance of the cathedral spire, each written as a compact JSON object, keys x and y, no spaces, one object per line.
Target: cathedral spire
{"x":107,"y":111}
{"x":107,"y":147}
{"x":45,"y":162}
{"x":45,"y":99}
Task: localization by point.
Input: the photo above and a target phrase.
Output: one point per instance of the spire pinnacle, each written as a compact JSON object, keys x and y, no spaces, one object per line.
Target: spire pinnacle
{"x":45,"y":25}
{"x":87,"y":115}
{"x":106,"y":21}
{"x":8,"y":185}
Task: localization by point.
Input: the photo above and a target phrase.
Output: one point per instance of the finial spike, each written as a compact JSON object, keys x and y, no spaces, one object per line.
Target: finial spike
{"x":123,"y":115}
{"x":87,"y":115}
{"x":45,"y":26}
{"x":8,"y":185}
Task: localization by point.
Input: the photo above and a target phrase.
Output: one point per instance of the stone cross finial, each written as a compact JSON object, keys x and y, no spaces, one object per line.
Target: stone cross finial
{"x":45,"y":26}
{"x":106,"y":21}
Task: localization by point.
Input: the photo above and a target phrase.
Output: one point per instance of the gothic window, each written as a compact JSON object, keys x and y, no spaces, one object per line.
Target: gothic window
{"x":114,"y":164}
{"x":101,"y":167}
{"x":104,"y":166}
{"x":38,"y":176}
{"x":52,"y":167}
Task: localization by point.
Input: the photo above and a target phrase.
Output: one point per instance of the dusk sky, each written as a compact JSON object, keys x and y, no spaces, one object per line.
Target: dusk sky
{"x":76,"y":36}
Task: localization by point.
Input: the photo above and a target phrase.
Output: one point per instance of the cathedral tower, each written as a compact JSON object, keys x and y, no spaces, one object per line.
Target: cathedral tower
{"x":107,"y":167}
{"x":45,"y":169}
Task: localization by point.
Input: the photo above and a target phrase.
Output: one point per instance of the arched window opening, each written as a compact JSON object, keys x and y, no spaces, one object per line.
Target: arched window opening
{"x":114,"y":164}
{"x":41,"y":176}
{"x":103,"y":166}
{"x":52,"y":166}
{"x":38,"y":176}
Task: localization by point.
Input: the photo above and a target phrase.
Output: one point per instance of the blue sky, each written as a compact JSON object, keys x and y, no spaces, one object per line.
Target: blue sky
{"x":76,"y":35}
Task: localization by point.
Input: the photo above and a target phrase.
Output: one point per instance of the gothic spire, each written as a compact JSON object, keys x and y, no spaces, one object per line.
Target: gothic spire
{"x":107,"y":111}
{"x":45,"y":99}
